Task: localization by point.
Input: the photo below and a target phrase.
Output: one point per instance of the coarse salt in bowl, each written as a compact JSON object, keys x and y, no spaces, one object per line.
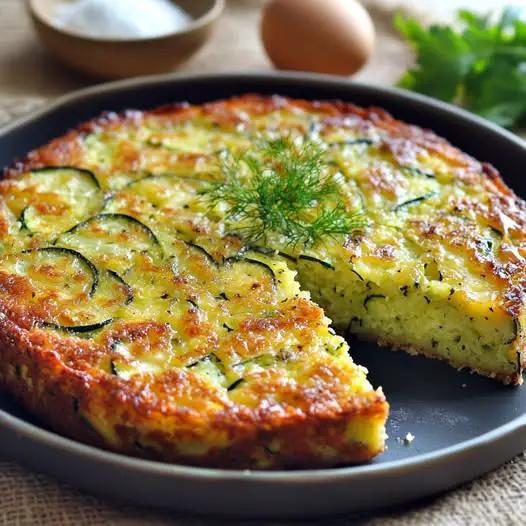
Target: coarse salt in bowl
{"x":121,"y":19}
{"x":114,"y":39}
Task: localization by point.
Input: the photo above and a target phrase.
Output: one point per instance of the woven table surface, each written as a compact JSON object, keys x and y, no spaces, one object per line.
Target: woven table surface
{"x":29,"y":78}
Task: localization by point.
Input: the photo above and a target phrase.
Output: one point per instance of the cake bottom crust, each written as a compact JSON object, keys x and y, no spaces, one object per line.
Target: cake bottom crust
{"x":415,"y":350}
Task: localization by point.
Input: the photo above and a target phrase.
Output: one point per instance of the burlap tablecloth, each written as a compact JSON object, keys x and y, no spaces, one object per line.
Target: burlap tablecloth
{"x":28,"y":77}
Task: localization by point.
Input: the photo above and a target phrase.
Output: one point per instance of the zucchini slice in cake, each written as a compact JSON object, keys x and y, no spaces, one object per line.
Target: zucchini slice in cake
{"x":61,"y":274}
{"x":54,"y":198}
{"x":64,"y":290}
{"x":112,"y":240}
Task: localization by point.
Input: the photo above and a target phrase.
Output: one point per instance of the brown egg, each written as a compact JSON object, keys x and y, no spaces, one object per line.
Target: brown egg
{"x":322,"y":36}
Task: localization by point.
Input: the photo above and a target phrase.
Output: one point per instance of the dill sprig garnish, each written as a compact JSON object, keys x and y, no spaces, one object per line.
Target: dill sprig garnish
{"x":283,"y":188}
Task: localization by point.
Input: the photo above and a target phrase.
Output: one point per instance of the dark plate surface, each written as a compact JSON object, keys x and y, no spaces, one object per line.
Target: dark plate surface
{"x":463,"y":425}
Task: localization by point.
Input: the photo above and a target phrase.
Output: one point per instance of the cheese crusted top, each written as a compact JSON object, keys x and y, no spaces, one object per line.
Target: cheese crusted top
{"x":427,"y":201}
{"x":109,"y":244}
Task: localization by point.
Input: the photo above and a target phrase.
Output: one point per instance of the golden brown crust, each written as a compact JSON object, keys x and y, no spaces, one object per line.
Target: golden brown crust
{"x":62,"y":377}
{"x":405,"y":140}
{"x":35,"y":369}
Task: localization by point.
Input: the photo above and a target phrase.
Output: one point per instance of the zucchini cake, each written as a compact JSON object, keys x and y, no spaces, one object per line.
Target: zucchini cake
{"x":168,"y":278}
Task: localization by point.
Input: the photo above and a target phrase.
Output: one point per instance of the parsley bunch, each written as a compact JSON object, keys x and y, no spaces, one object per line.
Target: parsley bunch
{"x":481,"y":66}
{"x":283,"y":188}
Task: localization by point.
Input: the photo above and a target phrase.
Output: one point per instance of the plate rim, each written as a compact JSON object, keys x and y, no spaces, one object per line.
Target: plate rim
{"x":37,"y":433}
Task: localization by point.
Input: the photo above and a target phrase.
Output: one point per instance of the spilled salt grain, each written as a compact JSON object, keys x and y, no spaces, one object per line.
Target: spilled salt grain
{"x":408,"y":438}
{"x":121,"y":19}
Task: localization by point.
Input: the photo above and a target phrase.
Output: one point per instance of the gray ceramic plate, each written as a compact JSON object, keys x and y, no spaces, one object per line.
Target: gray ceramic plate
{"x":464,"y":425}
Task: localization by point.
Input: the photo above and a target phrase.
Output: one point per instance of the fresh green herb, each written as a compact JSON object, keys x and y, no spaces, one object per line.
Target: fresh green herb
{"x":481,"y":66}
{"x":283,"y":188}
{"x":235,"y":384}
{"x":352,"y":142}
{"x":359,"y":275}
{"x":417,"y":171}
{"x":371,"y":297}
{"x":413,"y":201}
{"x":227,"y":327}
